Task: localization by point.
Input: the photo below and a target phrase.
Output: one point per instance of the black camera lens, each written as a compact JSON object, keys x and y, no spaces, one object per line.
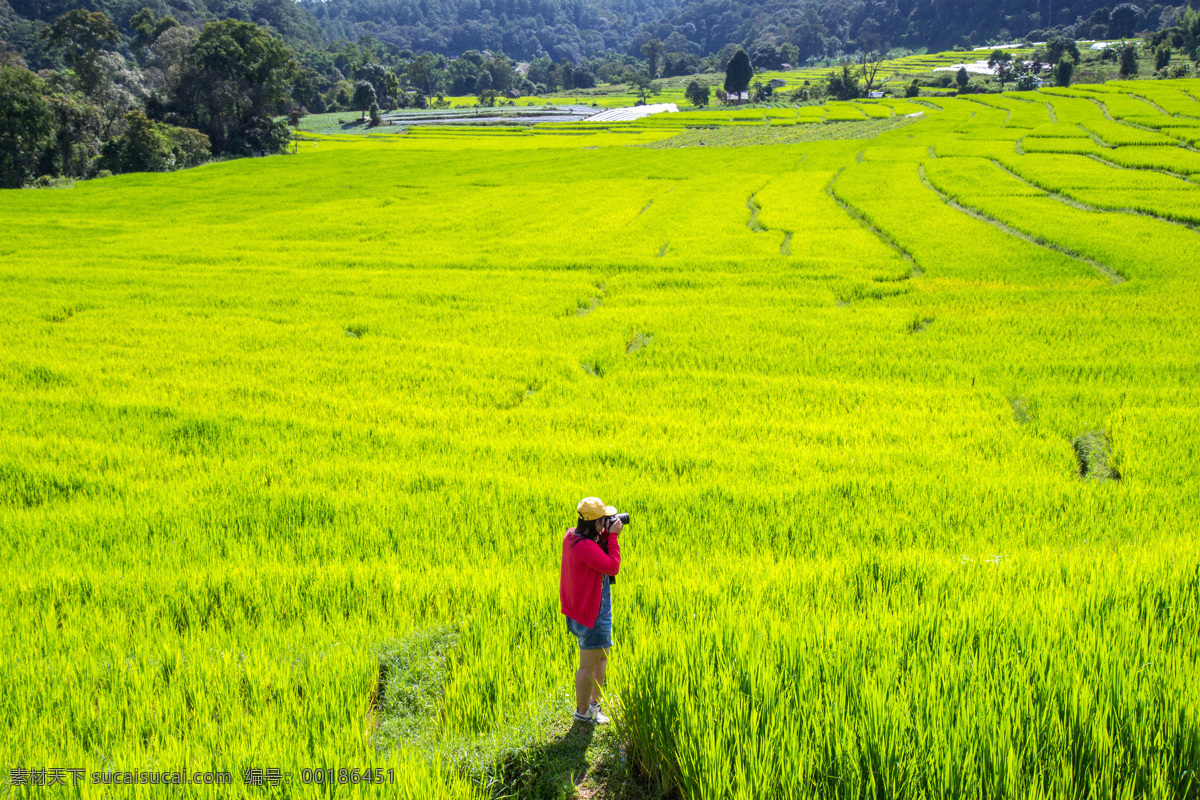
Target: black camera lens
{"x":624,"y":518}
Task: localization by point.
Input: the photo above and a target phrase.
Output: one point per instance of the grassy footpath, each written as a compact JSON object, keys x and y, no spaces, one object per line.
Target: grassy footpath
{"x":540,"y":755}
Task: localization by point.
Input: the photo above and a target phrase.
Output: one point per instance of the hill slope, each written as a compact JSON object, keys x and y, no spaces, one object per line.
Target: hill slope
{"x":575,"y":29}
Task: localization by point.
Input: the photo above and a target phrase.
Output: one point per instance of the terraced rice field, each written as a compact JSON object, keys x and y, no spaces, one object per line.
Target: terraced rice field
{"x":895,"y":73}
{"x":907,"y":426}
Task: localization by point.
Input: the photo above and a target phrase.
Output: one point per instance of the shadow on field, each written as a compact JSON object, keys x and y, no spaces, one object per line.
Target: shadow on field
{"x":555,"y":768}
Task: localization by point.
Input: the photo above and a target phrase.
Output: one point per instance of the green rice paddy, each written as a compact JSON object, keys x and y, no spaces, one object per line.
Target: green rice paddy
{"x":907,"y":425}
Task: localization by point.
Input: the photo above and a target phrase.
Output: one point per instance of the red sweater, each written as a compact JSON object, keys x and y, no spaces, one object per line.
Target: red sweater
{"x":580,"y":580}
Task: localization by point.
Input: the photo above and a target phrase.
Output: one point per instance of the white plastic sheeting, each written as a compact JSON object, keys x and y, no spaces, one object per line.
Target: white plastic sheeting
{"x":974,"y":68}
{"x":632,"y":113}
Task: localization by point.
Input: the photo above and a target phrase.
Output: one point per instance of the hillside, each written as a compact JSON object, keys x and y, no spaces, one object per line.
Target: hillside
{"x":903,"y":397}
{"x":574,"y":29}
{"x":528,"y":28}
{"x":578,"y":29}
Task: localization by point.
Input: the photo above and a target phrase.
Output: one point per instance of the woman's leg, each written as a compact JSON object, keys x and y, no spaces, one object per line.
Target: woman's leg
{"x":598,"y":674}
{"x":591,"y":670}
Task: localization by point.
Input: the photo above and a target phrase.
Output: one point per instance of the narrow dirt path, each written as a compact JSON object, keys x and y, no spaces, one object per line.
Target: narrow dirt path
{"x":1107,"y":271}
{"x":857,"y":216}
{"x":1082,"y":206}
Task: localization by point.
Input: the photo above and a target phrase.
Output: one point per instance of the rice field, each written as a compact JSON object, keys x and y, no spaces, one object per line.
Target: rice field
{"x":907,"y":424}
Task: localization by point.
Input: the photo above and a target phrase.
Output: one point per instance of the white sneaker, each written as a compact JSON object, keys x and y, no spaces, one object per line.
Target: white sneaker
{"x":593,"y":714}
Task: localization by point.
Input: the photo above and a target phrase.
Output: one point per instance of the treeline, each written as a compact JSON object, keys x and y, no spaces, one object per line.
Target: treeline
{"x":575,"y":29}
{"x":524,"y":29}
{"x":329,"y":80}
{"x":843,"y":27}
{"x":591,"y":32}
{"x":160,"y":95}
{"x":168,"y":97}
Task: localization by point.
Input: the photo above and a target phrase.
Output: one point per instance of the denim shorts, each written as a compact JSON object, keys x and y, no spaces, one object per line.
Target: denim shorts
{"x":599,"y":636}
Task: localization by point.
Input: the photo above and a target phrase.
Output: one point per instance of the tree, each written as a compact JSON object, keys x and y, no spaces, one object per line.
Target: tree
{"x":677,"y":63}
{"x":375,"y":75}
{"x":697,"y":93}
{"x":82,"y":36}
{"x":1002,"y":62}
{"x":147,"y":28}
{"x":391,"y":88}
{"x":189,"y":148}
{"x":640,"y":82}
{"x":138,"y":149}
{"x":419,"y":72}
{"x":340,"y":98}
{"x":766,"y":56}
{"x":998,"y":57}
{"x":565,"y":75}
{"x":912,"y":89}
{"x":738,"y":73}
{"x":307,"y":88}
{"x":121,"y":89}
{"x":844,"y":85}
{"x":484,"y":83}
{"x":1187,"y":33}
{"x":78,"y":134}
{"x":363,"y":98}
{"x":962,"y":79}
{"x":1097,"y":24}
{"x":1006,"y":72}
{"x":726,"y":55}
{"x":504,"y":76}
{"x":869,"y":63}
{"x":1129,"y":65}
{"x":789,"y":53}
{"x":25,"y":125}
{"x":463,"y":74}
{"x":652,"y":50}
{"x":1123,"y":20}
{"x":1064,"y":70}
{"x":1162,"y":57}
{"x":236,"y":79}
{"x":1058,"y":46}
{"x":167,"y":59}
{"x":148,"y":146}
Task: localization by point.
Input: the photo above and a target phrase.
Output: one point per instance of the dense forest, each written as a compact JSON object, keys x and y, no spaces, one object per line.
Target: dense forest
{"x":573,"y":28}
{"x":581,"y":29}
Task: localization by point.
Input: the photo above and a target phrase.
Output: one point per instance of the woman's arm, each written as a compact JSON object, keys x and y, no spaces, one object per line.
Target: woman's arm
{"x":590,"y":554}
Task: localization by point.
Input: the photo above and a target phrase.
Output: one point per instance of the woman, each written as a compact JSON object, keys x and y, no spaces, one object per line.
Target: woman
{"x":583,"y":591}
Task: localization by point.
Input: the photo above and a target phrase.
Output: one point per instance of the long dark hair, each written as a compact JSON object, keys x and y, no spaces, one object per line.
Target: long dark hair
{"x":587,"y":529}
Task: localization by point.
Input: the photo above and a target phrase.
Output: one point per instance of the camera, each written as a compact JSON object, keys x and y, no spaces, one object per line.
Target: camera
{"x":624,"y":520}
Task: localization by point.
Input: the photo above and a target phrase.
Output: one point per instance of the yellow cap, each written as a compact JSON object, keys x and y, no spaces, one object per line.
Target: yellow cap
{"x":590,"y":508}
